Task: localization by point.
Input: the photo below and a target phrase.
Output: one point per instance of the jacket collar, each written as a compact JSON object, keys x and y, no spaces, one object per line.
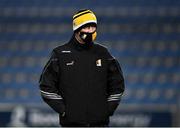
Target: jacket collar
{"x":74,"y":42}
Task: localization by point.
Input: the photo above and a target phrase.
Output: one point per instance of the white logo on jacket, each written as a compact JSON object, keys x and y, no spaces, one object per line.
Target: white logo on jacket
{"x":70,"y":63}
{"x":66,"y":51}
{"x":98,"y":63}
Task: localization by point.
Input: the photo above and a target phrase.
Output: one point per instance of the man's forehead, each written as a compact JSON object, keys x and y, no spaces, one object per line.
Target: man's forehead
{"x":89,"y":25}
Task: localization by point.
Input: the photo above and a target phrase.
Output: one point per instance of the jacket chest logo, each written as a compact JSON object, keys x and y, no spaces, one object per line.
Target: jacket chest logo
{"x":98,"y":63}
{"x":70,"y":63}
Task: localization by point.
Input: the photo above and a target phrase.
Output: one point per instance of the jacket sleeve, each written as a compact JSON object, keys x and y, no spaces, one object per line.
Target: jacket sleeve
{"x":115,"y":84}
{"x":49,"y":84}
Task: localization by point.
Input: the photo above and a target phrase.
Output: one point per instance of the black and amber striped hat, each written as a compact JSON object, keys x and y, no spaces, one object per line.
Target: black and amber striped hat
{"x":83,"y":17}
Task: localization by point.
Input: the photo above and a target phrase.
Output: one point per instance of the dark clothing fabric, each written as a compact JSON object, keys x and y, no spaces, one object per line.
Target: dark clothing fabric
{"x":99,"y":124}
{"x":84,"y":81}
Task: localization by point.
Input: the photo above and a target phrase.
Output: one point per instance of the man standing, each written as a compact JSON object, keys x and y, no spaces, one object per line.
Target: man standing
{"x":82,"y":81}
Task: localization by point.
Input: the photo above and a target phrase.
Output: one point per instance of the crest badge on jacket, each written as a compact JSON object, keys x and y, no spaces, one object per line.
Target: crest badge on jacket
{"x":98,"y":63}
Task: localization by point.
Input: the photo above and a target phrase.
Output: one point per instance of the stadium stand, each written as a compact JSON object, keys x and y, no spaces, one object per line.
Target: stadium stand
{"x":143,"y":35}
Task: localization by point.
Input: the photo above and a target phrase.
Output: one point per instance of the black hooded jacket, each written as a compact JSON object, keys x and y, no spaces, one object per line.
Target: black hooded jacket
{"x":84,"y":81}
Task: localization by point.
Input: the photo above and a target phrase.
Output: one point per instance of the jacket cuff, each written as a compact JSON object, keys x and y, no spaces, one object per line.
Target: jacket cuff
{"x":112,"y":105}
{"x":56,"y":104}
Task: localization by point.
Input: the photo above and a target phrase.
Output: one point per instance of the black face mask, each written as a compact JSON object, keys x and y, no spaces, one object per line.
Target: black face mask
{"x":86,"y":37}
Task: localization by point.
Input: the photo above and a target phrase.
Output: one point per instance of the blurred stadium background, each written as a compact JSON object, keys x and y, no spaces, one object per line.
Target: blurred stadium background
{"x":143,"y":35}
